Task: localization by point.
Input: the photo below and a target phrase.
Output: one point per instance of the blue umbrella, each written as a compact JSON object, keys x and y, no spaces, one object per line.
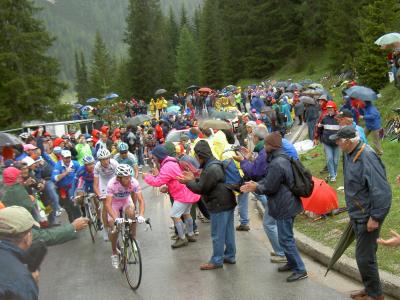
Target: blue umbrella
{"x":92,"y":100}
{"x":361,"y":92}
{"x":111,"y":96}
{"x":86,"y":108}
{"x":173,"y":108}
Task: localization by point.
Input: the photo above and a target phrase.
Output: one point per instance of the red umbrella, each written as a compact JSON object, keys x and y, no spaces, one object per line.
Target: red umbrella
{"x":205,"y":90}
{"x":323,"y":198}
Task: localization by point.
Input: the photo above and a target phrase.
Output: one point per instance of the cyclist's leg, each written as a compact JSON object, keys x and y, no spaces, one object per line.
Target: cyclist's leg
{"x":130,"y":213}
{"x":113,"y":236}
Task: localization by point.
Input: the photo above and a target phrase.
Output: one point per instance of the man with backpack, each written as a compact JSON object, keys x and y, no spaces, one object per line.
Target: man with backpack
{"x":220,"y":202}
{"x":283,"y":204}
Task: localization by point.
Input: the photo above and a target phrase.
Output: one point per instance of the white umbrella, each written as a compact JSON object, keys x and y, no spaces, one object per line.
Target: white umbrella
{"x":388,"y":39}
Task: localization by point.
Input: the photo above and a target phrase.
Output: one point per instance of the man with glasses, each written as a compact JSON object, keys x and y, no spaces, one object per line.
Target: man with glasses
{"x":127,"y":158}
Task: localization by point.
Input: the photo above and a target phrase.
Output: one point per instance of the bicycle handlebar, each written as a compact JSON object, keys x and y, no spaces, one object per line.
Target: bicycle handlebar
{"x":131,"y":221}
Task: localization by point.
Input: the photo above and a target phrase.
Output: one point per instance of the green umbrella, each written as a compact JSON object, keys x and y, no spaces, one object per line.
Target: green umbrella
{"x":215,"y":124}
{"x":345,"y":241}
{"x":224,"y":115}
{"x":316,"y":86}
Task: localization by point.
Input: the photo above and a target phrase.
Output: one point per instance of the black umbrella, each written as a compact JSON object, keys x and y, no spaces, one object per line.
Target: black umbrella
{"x":137,"y":120}
{"x":294,"y":86}
{"x":307,"y":100}
{"x":192,"y":87}
{"x":7,"y":139}
{"x":345,"y":241}
{"x":160,"y":92}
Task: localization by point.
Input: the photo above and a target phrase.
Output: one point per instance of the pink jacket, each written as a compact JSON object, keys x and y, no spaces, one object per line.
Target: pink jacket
{"x":169,"y":170}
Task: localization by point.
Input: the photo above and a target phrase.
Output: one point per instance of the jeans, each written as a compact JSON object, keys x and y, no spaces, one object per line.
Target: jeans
{"x":243,"y":202}
{"x":332,"y":159}
{"x":140,"y":156}
{"x":270,"y":228}
{"x":311,"y":127}
{"x":288,"y":243}
{"x":223,"y":237}
{"x":366,"y":247}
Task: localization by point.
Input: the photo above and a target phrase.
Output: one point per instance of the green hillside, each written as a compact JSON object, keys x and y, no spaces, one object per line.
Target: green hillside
{"x":74,"y":24}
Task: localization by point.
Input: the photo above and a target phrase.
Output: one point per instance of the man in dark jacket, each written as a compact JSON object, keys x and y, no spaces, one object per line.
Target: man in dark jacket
{"x":283,"y":205}
{"x":220,"y":202}
{"x":368,"y":199}
{"x":16,"y":281}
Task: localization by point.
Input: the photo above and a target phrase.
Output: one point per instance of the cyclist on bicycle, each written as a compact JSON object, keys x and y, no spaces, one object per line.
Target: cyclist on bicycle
{"x":126,"y":157}
{"x":84,"y":183}
{"x":122,"y":190}
{"x":104,"y":170}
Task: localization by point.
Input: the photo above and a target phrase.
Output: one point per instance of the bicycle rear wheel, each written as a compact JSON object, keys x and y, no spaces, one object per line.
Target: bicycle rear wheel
{"x":133,"y":265}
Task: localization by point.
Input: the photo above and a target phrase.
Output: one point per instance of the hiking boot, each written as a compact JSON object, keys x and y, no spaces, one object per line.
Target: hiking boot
{"x":174,"y":237}
{"x":279,"y":260}
{"x":210,"y":266}
{"x":296,"y":277}
{"x":179,"y":243}
{"x":324,"y":170}
{"x":243,"y":227}
{"x":285,"y":268}
{"x":191,"y":238}
{"x":360,"y":293}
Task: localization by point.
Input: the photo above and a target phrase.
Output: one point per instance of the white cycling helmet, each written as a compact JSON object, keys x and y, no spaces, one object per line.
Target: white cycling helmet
{"x":87,"y":160}
{"x":123,"y":170}
{"x":103,"y":153}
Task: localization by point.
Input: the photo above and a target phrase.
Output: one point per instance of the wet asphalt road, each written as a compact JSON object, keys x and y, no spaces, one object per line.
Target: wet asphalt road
{"x":82,"y":270}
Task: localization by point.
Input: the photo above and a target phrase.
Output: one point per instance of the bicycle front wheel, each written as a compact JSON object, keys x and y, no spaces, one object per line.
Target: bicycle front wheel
{"x":133,"y":264}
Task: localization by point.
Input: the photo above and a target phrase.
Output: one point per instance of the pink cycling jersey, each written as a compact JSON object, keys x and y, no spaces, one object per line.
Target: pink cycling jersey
{"x":120,"y":194}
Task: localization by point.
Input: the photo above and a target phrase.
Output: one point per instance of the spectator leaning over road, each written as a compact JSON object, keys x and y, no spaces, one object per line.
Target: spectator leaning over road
{"x":220,"y":202}
{"x":183,"y":197}
{"x":372,"y":119}
{"x":368,"y":198}
{"x":283,"y":205}
{"x":16,"y":281}
{"x":327,"y":127}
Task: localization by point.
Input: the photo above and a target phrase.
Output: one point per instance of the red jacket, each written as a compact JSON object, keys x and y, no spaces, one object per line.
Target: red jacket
{"x":159,"y":132}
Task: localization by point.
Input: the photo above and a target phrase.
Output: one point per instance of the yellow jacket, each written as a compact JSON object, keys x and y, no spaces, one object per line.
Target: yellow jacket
{"x":152,"y":105}
{"x":159,"y":103}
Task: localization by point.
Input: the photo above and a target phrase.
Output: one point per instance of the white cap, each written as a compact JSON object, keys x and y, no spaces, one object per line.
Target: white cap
{"x":28,"y":160}
{"x":66,"y":153}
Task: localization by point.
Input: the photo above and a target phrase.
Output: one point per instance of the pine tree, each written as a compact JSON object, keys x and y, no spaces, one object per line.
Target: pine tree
{"x":210,"y":46}
{"x":378,"y":18}
{"x":184,"y":18}
{"x":146,"y":39}
{"x":81,"y":78}
{"x":29,"y":87}
{"x":187,"y":63}
{"x":101,"y":69}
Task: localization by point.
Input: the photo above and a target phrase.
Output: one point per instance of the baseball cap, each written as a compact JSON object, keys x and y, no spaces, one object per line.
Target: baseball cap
{"x":346,"y":132}
{"x":28,"y":160}
{"x":27,"y":147}
{"x":15,"y":220}
{"x":345,"y":113}
{"x":66,"y":153}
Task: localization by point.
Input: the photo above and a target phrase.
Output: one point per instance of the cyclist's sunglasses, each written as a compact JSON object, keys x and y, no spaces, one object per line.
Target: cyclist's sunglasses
{"x":123,"y":152}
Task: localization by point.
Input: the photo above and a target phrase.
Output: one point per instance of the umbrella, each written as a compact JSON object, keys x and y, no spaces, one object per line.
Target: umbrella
{"x":192,"y":87}
{"x":283,"y":84}
{"x":288,"y":94}
{"x":294,"y":86}
{"x":92,"y":100}
{"x":173,"y":108}
{"x":160,"y":92}
{"x":215,"y":124}
{"x":307,"y":100}
{"x":111,"y":96}
{"x":323,"y":198}
{"x":311,"y":92}
{"x":87,"y":107}
{"x":7,"y":139}
{"x":77,"y":105}
{"x":388,"y":39}
{"x":223,"y":115}
{"x":137,"y":120}
{"x":316,"y":86}
{"x":205,"y":90}
{"x":345,"y":241}
{"x":306,"y":82}
{"x":361,"y":92}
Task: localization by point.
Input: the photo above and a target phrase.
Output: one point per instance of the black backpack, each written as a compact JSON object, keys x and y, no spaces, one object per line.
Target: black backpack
{"x":303,"y":184}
